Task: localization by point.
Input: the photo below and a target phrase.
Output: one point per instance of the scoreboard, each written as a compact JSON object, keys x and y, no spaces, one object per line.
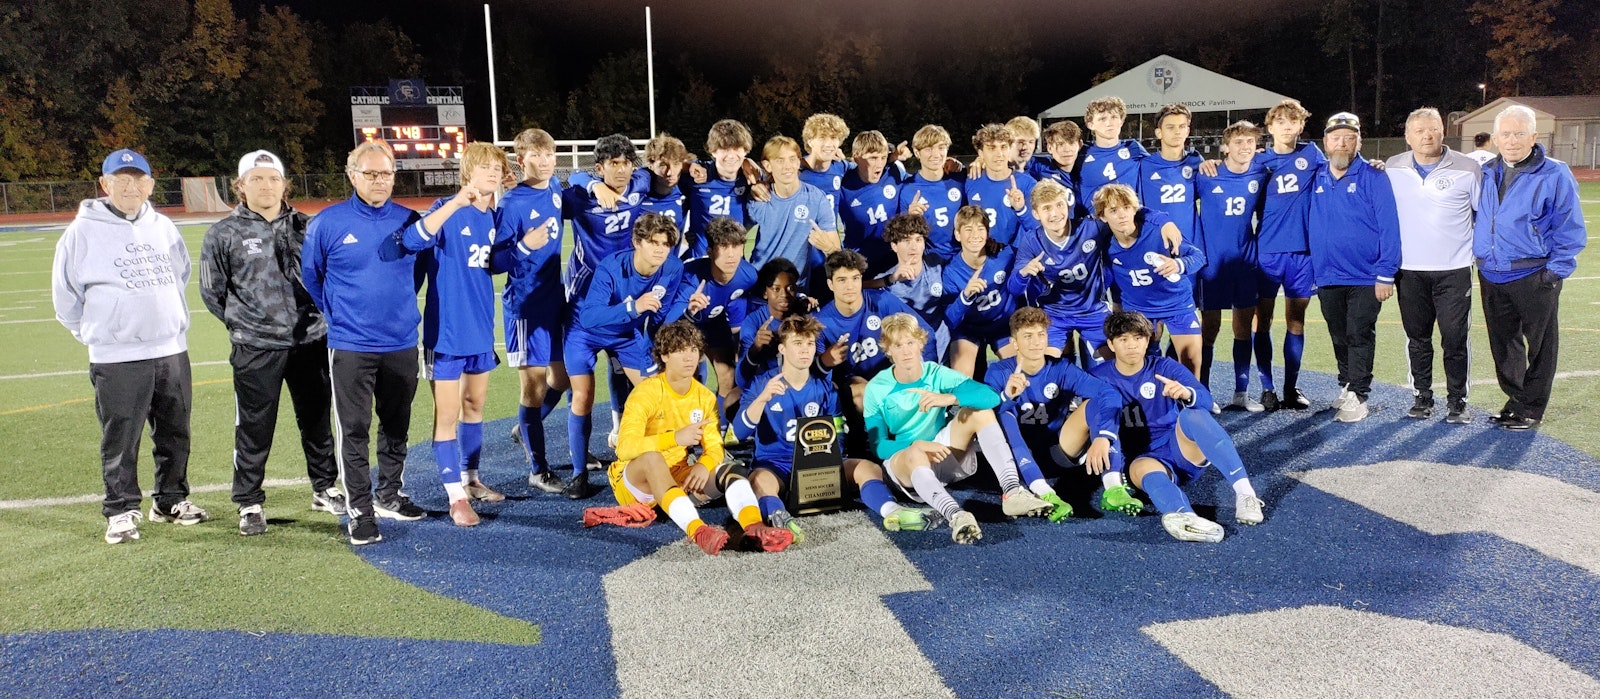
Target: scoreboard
{"x":425,"y":124}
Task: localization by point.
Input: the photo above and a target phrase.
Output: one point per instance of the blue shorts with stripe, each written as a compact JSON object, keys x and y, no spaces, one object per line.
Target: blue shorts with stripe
{"x":1290,"y":271}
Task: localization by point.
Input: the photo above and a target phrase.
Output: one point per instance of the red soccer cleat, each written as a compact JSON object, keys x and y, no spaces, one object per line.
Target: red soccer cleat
{"x":635,"y":515}
{"x":769,"y":538}
{"x":710,"y":539}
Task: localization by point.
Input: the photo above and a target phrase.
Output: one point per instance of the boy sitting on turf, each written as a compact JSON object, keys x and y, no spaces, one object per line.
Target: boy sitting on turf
{"x":1152,"y":280}
{"x":923,"y":445}
{"x":789,"y":395}
{"x":1169,"y":431}
{"x":669,"y":452}
{"x":1036,"y":396}
{"x":976,"y":304}
{"x":713,"y":297}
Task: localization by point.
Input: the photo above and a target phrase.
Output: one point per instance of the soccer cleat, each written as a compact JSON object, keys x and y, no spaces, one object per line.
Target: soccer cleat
{"x":710,"y":539}
{"x":1120,"y":499}
{"x":516,"y":434}
{"x":400,"y":508}
{"x":330,"y":500}
{"x":1422,"y":409}
{"x":906,"y":519}
{"x":593,"y":463}
{"x":123,"y":527}
{"x":1247,"y":509}
{"x":1060,"y":510}
{"x":547,"y":481}
{"x":1269,"y":401}
{"x":1188,"y":526}
{"x":1458,"y":413}
{"x":578,"y":488}
{"x":185,"y":513}
{"x":768,"y":538}
{"x":363,"y":530}
{"x":636,"y":515}
{"x":1354,"y":410}
{"x":1018,"y":502}
{"x":462,"y":514}
{"x":964,"y":528}
{"x":1293,"y":399}
{"x":251,"y":521}
{"x":783,"y":520}
{"x":476,"y":490}
{"x":1242,"y":401}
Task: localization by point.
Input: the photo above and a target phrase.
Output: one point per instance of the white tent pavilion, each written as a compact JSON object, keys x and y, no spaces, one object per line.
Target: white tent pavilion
{"x":1165,"y":80}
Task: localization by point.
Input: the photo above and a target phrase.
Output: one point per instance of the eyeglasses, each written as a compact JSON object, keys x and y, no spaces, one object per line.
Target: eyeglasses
{"x":376,"y":175}
{"x":127,"y":181}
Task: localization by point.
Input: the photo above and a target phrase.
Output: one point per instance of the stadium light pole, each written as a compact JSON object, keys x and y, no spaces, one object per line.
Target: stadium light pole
{"x":1483,"y":94}
{"x":650,"y":68}
{"x":488,"y":43}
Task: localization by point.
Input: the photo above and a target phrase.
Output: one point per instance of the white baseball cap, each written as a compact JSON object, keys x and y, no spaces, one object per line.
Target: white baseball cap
{"x":260,"y":158}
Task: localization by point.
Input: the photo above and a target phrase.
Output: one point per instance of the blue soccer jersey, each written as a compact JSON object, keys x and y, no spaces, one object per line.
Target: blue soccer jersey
{"x":866,"y":357}
{"x":985,"y":318}
{"x":944,"y":197}
{"x":1148,"y":415}
{"x":1283,"y":215}
{"x":1005,"y":223}
{"x":1230,"y":204}
{"x":458,"y":314}
{"x":1133,"y":270}
{"x":1099,"y":167}
{"x":726,"y":311}
{"x":924,"y":293}
{"x":775,"y":432}
{"x":1043,"y":406}
{"x":784,"y":228}
{"x":829,"y":180}
{"x":864,"y":210}
{"x":607,"y":310}
{"x":754,"y":362}
{"x":598,"y":233}
{"x":1072,"y":286}
{"x":708,"y":200}
{"x":533,"y":278}
{"x":1043,"y":167}
{"x":674,"y":205}
{"x":1168,"y":186}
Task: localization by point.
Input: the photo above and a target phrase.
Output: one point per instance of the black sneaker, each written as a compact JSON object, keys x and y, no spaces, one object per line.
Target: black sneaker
{"x":547,"y":481}
{"x":1458,"y":413}
{"x":578,"y":488}
{"x":1501,"y":417}
{"x":251,"y":521}
{"x":593,"y":463}
{"x":364,"y":530}
{"x":1269,"y":401}
{"x":399,"y":508}
{"x":1520,"y":422}
{"x":1293,"y":399}
{"x":1422,"y":409}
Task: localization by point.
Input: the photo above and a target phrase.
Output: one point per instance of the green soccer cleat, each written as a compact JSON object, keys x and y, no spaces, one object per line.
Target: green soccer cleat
{"x":906,"y":519}
{"x":783,"y":520}
{"x":1120,"y":499}
{"x":1062,"y":509}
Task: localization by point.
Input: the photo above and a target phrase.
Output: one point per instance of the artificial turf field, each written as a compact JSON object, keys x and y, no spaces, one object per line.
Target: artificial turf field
{"x":1377,"y":571}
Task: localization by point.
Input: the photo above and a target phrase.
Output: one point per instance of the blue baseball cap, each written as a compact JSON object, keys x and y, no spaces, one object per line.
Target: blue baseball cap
{"x":122,"y":160}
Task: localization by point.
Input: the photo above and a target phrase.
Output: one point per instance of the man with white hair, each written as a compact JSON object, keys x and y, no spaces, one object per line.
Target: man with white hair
{"x":1527,"y":238}
{"x":1435,"y":191}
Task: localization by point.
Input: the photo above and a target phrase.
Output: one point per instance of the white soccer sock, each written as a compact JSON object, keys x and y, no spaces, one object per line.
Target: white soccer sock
{"x":887,"y":510}
{"x":932,"y":492}
{"x":1041,"y":488}
{"x":472,"y":476}
{"x":682,"y":512}
{"x":1242,"y":487}
{"x":992,"y":441}
{"x":456,"y":491}
{"x":1111,"y":479}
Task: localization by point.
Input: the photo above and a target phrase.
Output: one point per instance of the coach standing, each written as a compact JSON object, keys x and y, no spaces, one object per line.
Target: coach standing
{"x":1355,"y":253}
{"x":1435,"y":190}
{"x":361,"y":277}
{"x":1529,"y":232}
{"x":250,"y":280}
{"x":117,"y":283}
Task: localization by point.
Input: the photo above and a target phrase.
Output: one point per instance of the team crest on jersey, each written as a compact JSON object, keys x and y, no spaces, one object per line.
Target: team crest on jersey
{"x":952,"y":194}
{"x":1301,"y":164}
{"x":873,"y":323}
{"x":999,"y":276}
{"x":697,"y":415}
{"x":1050,"y":390}
{"x":252,"y":246}
{"x":888,"y":191}
{"x":801,"y":212}
{"x":1442,"y":184}
{"x":1152,"y":258}
{"x":1254,"y":186}
{"x":1123,"y":153}
{"x":1147,"y":390}
{"x":1188,"y":172}
{"x":812,"y":409}
{"x":555,"y":199}
{"x":1352,"y":188}
{"x":633,"y":199}
{"x":937,"y":289}
{"x":659,"y":291}
{"x":736,"y":294}
{"x":836,"y":182}
{"x":1088,"y":246}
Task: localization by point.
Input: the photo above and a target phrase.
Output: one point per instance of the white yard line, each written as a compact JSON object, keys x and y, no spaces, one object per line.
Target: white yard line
{"x":80,"y":372}
{"x":86,"y":499}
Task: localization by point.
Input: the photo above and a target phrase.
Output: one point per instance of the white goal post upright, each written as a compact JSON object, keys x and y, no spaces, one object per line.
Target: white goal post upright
{"x":650,"y":68}
{"x":488,"y":43}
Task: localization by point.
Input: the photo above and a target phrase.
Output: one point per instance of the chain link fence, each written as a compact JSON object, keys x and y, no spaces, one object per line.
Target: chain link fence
{"x":52,"y":197}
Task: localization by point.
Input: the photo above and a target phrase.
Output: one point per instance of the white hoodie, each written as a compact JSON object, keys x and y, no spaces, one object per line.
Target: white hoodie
{"x":118,"y":285}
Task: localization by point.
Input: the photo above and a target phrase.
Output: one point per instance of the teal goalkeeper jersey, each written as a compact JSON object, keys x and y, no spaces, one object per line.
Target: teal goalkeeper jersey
{"x":890,"y":408}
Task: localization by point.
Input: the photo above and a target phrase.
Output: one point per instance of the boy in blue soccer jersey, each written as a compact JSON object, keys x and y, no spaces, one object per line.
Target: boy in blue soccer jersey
{"x":1110,"y":159}
{"x":1167,"y":176}
{"x":1230,"y":204}
{"x":851,"y":344}
{"x":1283,"y":252}
{"x":713,"y":298}
{"x":1062,"y":140}
{"x":1059,"y":269}
{"x":1153,"y":281}
{"x":916,"y":279}
{"x":1037,"y":393}
{"x":824,"y":164}
{"x":924,"y":446}
{"x":998,"y":190}
{"x":528,"y":227}
{"x":869,"y":197}
{"x":1024,"y":141}
{"x":792,"y":393}
{"x":632,"y":292}
{"x":665,"y":159}
{"x":798,"y":223}
{"x":1168,"y":433}
{"x":457,"y":239}
{"x":934,"y":192}
{"x":719,"y":187}
{"x":776,"y":285}
{"x":976,"y":303}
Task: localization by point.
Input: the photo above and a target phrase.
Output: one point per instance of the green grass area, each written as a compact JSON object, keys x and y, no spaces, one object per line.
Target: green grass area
{"x":191,"y":578}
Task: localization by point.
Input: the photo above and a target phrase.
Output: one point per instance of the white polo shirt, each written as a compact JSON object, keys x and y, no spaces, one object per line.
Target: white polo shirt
{"x":1436,"y":212}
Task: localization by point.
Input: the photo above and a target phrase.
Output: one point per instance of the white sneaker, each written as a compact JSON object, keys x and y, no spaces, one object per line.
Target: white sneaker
{"x":1345,"y":396}
{"x":1215,"y":409}
{"x":1243,"y":401}
{"x":1018,"y":502}
{"x":1247,"y":509}
{"x":1188,"y":526}
{"x":123,"y":527}
{"x":185,"y":513}
{"x":1354,"y":410}
{"x":964,"y":528}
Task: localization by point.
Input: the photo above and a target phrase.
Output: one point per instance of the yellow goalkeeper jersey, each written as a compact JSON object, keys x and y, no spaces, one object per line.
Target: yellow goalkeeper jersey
{"x":654,"y":412}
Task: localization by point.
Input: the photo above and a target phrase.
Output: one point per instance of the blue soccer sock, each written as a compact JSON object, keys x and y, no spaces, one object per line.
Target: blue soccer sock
{"x":875,"y":495}
{"x":470,"y":437}
{"x":578,"y":428}
{"x":770,"y":504}
{"x":1199,"y":426}
{"x":1294,"y":347}
{"x":1241,"y":366}
{"x":447,"y":454}
{"x":532,"y":427}
{"x":1164,"y":494}
{"x":1027,"y":468}
{"x":552,"y":398}
{"x":1263,"y":346}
